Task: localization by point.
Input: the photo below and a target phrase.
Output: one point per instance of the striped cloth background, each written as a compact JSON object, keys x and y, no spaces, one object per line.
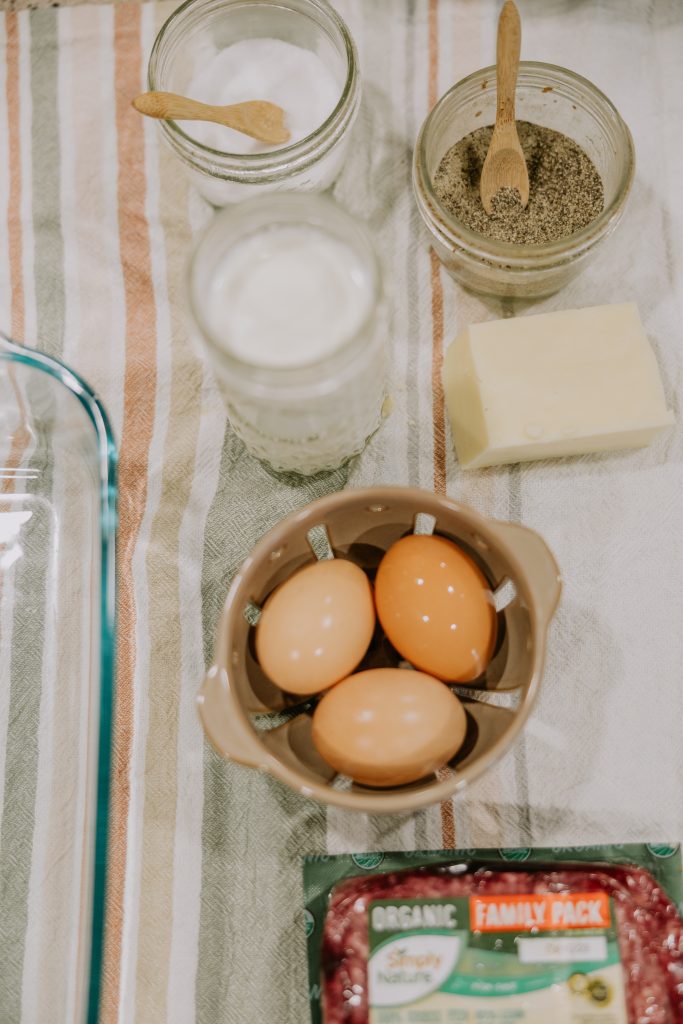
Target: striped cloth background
{"x":204,"y":902}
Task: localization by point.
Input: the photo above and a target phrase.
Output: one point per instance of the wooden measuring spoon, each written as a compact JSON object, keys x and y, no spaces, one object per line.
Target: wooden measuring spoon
{"x":505,"y":166}
{"x":256,"y":118}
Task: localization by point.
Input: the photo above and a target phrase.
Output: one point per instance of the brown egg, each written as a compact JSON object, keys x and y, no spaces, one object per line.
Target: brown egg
{"x":388,"y":726}
{"x":316,"y":626}
{"x":436,"y":608}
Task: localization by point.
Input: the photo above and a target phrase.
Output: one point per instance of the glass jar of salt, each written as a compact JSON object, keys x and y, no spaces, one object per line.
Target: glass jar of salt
{"x":286,"y":292}
{"x":296,"y":53}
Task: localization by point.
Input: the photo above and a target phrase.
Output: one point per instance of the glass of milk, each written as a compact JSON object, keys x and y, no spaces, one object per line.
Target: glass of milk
{"x":286,"y":293}
{"x":296,"y":53}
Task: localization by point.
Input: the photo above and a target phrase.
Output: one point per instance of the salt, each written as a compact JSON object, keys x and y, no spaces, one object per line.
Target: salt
{"x":263,"y":69}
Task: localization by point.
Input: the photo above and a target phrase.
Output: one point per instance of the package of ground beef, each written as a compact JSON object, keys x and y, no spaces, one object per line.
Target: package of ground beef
{"x":468,"y":941}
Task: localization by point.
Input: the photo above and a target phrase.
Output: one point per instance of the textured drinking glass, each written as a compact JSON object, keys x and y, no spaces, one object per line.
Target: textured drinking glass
{"x":301,"y":419}
{"x":57,"y":527}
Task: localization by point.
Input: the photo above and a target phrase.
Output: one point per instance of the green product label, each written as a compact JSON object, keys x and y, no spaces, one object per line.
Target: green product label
{"x":663,"y":851}
{"x":367,"y":861}
{"x":517,"y":854}
{"x":495,"y":960}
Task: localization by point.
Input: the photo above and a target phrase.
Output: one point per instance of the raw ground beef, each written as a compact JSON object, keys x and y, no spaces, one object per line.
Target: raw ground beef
{"x":649,"y":928}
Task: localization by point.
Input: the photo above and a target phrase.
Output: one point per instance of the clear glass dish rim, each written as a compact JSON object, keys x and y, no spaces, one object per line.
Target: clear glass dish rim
{"x":277,"y":159}
{"x":518,"y":256}
{"x":12,"y":352}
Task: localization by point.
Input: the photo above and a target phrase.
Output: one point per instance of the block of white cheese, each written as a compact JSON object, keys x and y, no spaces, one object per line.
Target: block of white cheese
{"x":533,"y":387}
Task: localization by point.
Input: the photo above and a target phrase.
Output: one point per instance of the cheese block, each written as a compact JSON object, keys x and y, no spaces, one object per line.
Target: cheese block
{"x":583,"y":380}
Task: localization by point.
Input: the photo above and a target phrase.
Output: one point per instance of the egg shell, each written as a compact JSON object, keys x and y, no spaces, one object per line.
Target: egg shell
{"x":316,"y":626}
{"x":436,"y":607}
{"x":388,"y":726}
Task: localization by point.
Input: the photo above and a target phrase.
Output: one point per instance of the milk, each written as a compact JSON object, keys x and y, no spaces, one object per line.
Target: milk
{"x":287,"y":297}
{"x":286,"y":291}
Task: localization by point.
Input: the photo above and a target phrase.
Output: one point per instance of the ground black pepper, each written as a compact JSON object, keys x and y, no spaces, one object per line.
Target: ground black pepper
{"x":565,"y":190}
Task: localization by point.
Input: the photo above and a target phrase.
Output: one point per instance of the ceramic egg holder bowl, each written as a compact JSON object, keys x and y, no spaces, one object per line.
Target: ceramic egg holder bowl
{"x":251,"y":721}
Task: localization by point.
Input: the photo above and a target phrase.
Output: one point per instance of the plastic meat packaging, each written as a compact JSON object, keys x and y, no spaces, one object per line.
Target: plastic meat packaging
{"x":481,"y":941}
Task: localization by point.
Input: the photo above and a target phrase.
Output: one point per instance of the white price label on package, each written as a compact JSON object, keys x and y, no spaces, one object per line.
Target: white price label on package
{"x":563,"y":950}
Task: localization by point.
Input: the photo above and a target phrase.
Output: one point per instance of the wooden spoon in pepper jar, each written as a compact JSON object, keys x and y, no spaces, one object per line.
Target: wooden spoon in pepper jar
{"x":505,"y":166}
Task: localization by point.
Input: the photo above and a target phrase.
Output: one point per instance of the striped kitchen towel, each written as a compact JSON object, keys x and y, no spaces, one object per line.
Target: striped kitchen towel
{"x":204,"y":900}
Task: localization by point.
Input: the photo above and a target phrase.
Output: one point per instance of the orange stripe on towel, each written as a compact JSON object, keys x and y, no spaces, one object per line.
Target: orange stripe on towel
{"x":138,"y":422}
{"x":439,"y":430}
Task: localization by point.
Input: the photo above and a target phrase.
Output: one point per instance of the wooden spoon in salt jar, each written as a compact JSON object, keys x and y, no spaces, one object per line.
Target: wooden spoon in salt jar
{"x":505,"y":166}
{"x":258,"y":119}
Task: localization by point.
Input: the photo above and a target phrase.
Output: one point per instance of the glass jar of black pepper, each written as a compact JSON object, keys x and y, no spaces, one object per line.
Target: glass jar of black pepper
{"x":550,"y":97}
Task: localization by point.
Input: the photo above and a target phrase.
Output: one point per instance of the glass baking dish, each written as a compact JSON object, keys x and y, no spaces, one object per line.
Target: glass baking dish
{"x":57,"y":528}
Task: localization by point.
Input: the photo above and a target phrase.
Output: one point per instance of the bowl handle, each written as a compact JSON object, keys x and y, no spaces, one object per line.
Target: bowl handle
{"x":225,"y":733}
{"x":540,"y":564}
